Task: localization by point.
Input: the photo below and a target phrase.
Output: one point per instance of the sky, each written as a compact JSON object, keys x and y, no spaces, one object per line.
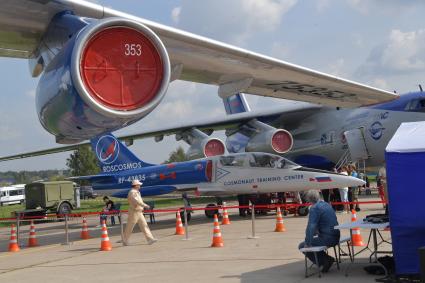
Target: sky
{"x":376,"y":42}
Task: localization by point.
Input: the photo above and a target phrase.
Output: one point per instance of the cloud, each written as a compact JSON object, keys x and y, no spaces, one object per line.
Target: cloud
{"x":30,"y":93}
{"x":322,"y":5}
{"x":402,"y":53}
{"x":280,"y":51}
{"x":380,"y":83}
{"x":175,"y":14}
{"x":233,"y":21}
{"x":388,"y":7}
{"x":337,"y":68}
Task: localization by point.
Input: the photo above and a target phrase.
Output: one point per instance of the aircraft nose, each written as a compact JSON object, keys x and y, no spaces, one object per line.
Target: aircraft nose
{"x":348,"y":181}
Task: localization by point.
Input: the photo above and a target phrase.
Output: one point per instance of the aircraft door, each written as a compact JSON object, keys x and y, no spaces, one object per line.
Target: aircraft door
{"x":357,"y":144}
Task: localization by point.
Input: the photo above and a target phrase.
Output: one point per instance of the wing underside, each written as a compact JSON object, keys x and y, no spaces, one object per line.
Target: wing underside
{"x":199,"y":59}
{"x":284,"y":115}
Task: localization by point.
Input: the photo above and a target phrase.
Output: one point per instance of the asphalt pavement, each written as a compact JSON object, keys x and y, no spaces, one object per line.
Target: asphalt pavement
{"x":272,"y":257}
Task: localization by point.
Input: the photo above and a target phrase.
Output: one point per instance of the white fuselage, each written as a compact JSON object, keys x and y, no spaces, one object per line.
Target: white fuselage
{"x":230,"y":180}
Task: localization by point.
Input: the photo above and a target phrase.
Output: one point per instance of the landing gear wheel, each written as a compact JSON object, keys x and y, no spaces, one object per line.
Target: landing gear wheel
{"x":303,"y":210}
{"x":189,"y":215}
{"x":210,"y":212}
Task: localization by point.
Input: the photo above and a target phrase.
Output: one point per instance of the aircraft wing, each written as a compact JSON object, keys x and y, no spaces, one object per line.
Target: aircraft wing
{"x":193,"y":58}
{"x":289,"y":114}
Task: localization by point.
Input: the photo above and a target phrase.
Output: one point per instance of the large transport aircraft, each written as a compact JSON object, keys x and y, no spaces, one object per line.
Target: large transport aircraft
{"x":101,"y":70}
{"x":309,"y":134}
{"x":235,"y":174}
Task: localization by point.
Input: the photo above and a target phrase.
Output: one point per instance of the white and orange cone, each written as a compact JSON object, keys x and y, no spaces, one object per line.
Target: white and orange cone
{"x":105,"y":244}
{"x":280,"y":227}
{"x":13,"y":243}
{"x":217,"y":241}
{"x":356,"y":238}
{"x":179,"y":224}
{"x":85,"y":231}
{"x":32,"y":240}
{"x":225,"y":220}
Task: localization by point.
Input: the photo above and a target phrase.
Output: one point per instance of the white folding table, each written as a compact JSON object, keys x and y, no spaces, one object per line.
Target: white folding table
{"x":374,"y":231}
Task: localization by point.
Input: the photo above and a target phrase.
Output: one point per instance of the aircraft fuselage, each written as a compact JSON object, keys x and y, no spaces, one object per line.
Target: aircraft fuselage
{"x":378,"y":124}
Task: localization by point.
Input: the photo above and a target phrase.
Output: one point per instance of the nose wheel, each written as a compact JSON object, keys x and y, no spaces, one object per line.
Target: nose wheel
{"x":210,"y":210}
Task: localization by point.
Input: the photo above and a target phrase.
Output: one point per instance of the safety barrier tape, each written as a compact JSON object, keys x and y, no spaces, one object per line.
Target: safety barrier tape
{"x":73,"y":216}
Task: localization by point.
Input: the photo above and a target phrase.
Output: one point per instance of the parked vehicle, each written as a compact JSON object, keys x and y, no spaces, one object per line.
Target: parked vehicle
{"x":12,"y":195}
{"x":86,"y":192}
{"x":49,"y":197}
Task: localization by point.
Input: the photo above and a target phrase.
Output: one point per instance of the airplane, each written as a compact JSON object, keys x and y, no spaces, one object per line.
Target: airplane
{"x":309,"y":134}
{"x":234,"y":174}
{"x":101,"y":69}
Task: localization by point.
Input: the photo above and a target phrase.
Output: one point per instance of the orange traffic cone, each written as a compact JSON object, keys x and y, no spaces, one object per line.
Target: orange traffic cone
{"x":32,"y":240}
{"x":179,"y":224}
{"x":217,"y":241}
{"x":356,"y":238}
{"x":13,"y":243}
{"x":105,"y":244}
{"x":85,"y":231}
{"x":225,"y":220}
{"x":280,"y":227}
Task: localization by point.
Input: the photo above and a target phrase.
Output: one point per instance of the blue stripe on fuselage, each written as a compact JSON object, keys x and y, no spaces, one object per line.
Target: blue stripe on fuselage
{"x":190,"y":172}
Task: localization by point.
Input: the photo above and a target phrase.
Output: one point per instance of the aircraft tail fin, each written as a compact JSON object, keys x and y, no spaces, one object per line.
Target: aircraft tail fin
{"x":113,"y":155}
{"x":236,"y":104}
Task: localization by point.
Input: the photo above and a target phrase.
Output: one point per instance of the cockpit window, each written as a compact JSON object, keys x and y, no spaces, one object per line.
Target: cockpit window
{"x":232,"y":160}
{"x":416,"y":105}
{"x":286,"y":164}
{"x":263,"y":160}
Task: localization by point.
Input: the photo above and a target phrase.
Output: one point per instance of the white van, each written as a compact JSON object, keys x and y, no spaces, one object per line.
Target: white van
{"x":12,"y":195}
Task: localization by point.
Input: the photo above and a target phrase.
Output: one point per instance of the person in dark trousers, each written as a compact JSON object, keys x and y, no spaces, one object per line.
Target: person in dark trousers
{"x":109,"y":207}
{"x":326,"y":195}
{"x":320,"y":230}
{"x":243,"y":201}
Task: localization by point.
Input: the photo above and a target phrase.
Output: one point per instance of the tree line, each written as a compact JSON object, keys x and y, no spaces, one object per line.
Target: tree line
{"x":81,"y":162}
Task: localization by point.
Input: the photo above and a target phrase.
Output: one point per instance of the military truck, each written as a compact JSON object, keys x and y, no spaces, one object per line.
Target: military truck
{"x":49,"y":197}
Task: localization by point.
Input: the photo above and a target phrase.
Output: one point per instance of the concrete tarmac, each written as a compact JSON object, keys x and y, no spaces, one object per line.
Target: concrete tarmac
{"x":273,"y":257}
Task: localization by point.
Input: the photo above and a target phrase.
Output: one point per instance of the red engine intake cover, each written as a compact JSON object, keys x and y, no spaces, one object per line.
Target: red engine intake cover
{"x":121,"y":68}
{"x":282,"y":141}
{"x":214,"y":147}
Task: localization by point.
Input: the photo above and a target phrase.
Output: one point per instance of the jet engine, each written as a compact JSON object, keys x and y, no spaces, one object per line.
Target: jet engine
{"x":201,"y":145}
{"x":256,"y":136}
{"x":103,"y":75}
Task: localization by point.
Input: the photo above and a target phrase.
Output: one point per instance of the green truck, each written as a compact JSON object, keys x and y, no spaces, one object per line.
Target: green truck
{"x":58,"y":197}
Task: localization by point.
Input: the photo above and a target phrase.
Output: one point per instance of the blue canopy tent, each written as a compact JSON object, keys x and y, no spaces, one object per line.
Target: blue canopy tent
{"x":405,"y":159}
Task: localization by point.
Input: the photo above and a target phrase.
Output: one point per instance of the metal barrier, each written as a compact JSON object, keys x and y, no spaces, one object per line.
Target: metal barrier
{"x":78,"y":216}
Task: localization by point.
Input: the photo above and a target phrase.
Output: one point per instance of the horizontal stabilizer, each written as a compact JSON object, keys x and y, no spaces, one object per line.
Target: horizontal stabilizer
{"x":100,"y":178}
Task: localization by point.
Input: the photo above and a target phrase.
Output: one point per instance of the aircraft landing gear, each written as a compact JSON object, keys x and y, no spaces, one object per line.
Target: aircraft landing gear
{"x":210,"y":211}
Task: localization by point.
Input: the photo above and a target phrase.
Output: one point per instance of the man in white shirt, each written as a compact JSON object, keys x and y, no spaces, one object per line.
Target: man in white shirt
{"x":135,"y":214}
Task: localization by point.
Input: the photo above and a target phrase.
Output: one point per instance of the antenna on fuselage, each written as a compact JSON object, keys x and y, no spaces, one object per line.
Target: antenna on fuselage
{"x":420,"y":88}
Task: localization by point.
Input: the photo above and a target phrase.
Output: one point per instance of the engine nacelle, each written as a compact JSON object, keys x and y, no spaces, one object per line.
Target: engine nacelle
{"x":109,"y":74}
{"x":256,"y":136}
{"x":275,"y":141}
{"x":201,"y":145}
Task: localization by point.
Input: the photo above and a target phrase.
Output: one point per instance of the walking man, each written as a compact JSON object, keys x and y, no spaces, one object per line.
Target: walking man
{"x":135,"y":214}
